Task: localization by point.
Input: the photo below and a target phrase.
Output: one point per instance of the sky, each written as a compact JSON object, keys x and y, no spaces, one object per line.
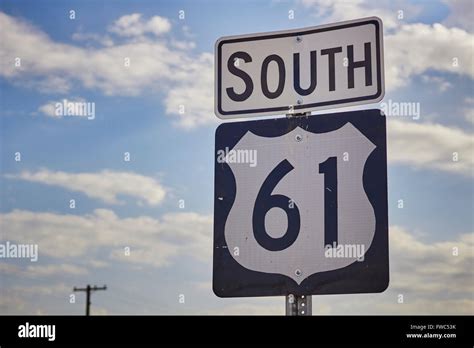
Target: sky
{"x":140,"y":171}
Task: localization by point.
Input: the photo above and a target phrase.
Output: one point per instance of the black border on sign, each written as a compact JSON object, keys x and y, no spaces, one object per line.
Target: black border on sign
{"x":301,"y":33}
{"x":230,"y":279}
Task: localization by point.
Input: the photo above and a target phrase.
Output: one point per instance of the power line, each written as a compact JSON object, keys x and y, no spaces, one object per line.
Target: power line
{"x":88,"y":290}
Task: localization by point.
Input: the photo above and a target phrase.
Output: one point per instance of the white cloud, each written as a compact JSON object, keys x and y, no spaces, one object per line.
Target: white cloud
{"x":417,"y":48}
{"x":193,"y":102}
{"x":105,"y":185}
{"x":436,"y":265}
{"x":151,"y":241}
{"x":429,"y":145}
{"x":158,"y":65}
{"x":134,"y":25}
{"x":49,"y":109}
{"x":104,"y":40}
{"x":35,"y":271}
{"x":56,"y":289}
{"x":50,"y":84}
{"x":336,"y":11}
{"x":60,"y":269}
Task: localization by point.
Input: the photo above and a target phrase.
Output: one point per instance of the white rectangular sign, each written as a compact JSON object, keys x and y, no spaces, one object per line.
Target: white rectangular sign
{"x":295,"y":71}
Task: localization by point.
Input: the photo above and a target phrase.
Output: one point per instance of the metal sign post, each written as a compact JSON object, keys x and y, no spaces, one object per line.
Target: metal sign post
{"x":298,"y":305}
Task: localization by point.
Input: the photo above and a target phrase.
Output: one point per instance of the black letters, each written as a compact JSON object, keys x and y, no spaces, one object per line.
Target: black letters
{"x":266,"y":201}
{"x":242,"y":74}
{"x":281,"y":76}
{"x":331,"y":52}
{"x":296,"y":74}
{"x":366,"y":63}
{"x":329,"y":169}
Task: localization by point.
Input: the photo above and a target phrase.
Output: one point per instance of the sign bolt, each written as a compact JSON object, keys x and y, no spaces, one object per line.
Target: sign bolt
{"x":298,"y":272}
{"x":299,"y":39}
{"x":299,"y":102}
{"x":298,"y":138}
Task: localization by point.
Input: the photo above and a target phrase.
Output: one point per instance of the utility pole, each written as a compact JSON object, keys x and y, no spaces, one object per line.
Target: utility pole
{"x":88,"y":290}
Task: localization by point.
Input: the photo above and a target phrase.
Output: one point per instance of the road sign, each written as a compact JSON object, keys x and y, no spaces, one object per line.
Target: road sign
{"x":299,"y":70}
{"x":300,"y":206}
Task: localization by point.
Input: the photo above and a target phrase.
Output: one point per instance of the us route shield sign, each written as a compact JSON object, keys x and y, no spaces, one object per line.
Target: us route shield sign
{"x":300,"y":206}
{"x":299,"y":70}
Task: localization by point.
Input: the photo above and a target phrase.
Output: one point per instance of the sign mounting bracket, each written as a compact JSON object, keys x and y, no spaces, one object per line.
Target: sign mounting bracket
{"x":298,"y":305}
{"x":300,"y":114}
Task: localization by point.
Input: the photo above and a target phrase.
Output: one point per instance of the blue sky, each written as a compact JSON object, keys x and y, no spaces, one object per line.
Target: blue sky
{"x":120,"y":204}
